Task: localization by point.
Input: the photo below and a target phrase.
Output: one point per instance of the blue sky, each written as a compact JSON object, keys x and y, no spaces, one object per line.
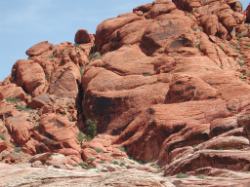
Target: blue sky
{"x":26,"y":22}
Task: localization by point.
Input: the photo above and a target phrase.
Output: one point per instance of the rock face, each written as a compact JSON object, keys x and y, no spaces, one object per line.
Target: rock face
{"x":167,"y":83}
{"x":82,"y":37}
{"x":39,"y":104}
{"x":248,"y":14}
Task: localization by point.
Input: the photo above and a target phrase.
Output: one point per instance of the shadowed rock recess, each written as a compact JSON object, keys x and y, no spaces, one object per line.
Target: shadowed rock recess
{"x":159,"y":96}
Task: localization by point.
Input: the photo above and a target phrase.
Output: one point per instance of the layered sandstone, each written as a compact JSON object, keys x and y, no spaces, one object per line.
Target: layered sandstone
{"x":167,"y":83}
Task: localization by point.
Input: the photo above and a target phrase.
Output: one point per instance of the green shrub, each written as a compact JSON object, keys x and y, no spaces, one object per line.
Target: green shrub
{"x":141,"y":161}
{"x":146,"y":74}
{"x":17,"y":149}
{"x":201,"y":176}
{"x":95,"y":56}
{"x":12,"y":100}
{"x":181,"y":175}
{"x":243,"y":77}
{"x":85,"y":165}
{"x":115,"y":162}
{"x":98,"y":150}
{"x":241,"y":62}
{"x":222,"y":47}
{"x":101,"y":162}
{"x":81,"y":71}
{"x":22,"y":108}
{"x":122,"y":164}
{"x":123,"y":149}
{"x":81,"y":137}
{"x":155,"y":165}
{"x":91,"y":128}
{"x":2,"y":137}
{"x":51,"y":56}
{"x":92,"y":159}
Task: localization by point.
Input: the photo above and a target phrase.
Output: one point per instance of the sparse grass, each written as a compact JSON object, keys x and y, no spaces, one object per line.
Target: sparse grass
{"x":241,"y":62}
{"x":138,"y":161}
{"x":91,"y":128}
{"x":222,"y":47}
{"x":85,"y":165}
{"x":155,"y":165}
{"x":17,"y":149}
{"x":12,"y":100}
{"x":123,"y":149}
{"x":243,"y":77}
{"x":197,"y":45}
{"x":146,"y":74}
{"x":88,"y":163}
{"x":2,"y":137}
{"x":141,"y":161}
{"x":197,"y":29}
{"x":95,"y":56}
{"x":122,"y":164}
{"x":47,"y":76}
{"x":98,"y":150}
{"x":81,"y":71}
{"x":201,"y":176}
{"x":92,"y":159}
{"x":81,"y":137}
{"x":101,"y":161}
{"x":181,"y":175}
{"x":23,"y":108}
{"x":115,"y":162}
{"x":51,"y":56}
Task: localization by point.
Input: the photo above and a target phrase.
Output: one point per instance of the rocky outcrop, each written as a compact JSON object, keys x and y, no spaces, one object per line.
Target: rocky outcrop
{"x":83,"y":37}
{"x":187,"y":51}
{"x":40,"y":101}
{"x":167,"y":83}
{"x":248,"y":14}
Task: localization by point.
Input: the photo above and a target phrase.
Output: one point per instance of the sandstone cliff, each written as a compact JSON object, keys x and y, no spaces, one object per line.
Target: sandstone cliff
{"x":168,"y":83}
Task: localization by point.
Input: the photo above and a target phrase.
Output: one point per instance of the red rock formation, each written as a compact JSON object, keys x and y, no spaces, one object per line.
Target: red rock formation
{"x":188,"y":49}
{"x":82,"y":37}
{"x":169,"y":82}
{"x":248,"y":14}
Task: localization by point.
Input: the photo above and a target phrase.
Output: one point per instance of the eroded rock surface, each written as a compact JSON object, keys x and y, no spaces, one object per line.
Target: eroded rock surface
{"x":167,"y":83}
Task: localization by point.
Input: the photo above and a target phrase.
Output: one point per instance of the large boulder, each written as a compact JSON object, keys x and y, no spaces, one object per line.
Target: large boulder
{"x":39,"y":48}
{"x":64,"y":81}
{"x":19,"y":128}
{"x":53,"y":127}
{"x":12,"y":91}
{"x":30,"y":75}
